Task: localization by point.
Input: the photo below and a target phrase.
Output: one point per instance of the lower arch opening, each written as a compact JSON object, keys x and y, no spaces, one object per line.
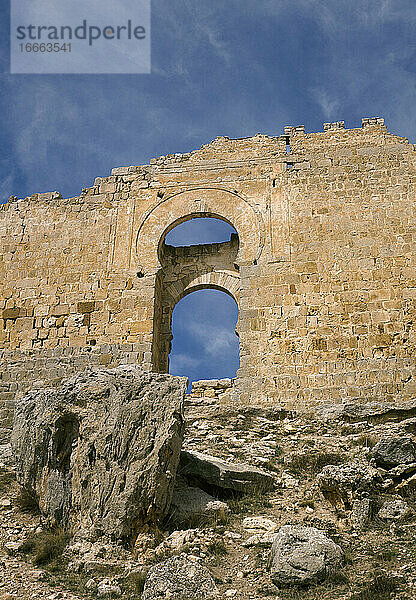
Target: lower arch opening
{"x":204,"y":342}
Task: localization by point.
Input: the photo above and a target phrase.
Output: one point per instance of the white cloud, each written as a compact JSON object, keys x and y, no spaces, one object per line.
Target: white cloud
{"x":329,"y":105}
{"x":182,"y":362}
{"x":6,"y":188}
{"x":215,"y":341}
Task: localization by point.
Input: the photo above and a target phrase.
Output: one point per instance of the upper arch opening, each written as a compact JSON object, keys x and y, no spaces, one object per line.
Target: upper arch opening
{"x":198,"y":232}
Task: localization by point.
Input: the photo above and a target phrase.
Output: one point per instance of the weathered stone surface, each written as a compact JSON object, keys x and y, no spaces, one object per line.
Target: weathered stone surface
{"x":6,"y":456}
{"x":372,"y":412}
{"x":393,"y":510}
{"x":264,"y":540}
{"x":179,"y":578}
{"x":215,"y":472}
{"x":362,"y":509}
{"x":108,"y":589}
{"x":302,"y":555}
{"x":257,"y":524}
{"x":100,"y":453}
{"x":354,"y":338}
{"x":190,"y":503}
{"x":340,"y":483}
{"x":390,"y":452}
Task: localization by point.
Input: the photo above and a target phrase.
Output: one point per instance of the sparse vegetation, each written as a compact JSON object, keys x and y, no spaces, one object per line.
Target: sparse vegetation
{"x":366,"y":439}
{"x":46,"y":546}
{"x":380,"y":587}
{"x":6,"y":479}
{"x":26,"y":502}
{"x":311,"y":463}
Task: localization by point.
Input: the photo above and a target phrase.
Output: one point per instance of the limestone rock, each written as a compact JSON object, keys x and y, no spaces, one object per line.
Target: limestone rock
{"x":362,"y":510}
{"x":100,"y":453}
{"x":393,"y":510}
{"x":107,"y":589}
{"x":256,"y":524}
{"x":264,"y":540}
{"x":213,"y":471}
{"x":390,"y":452}
{"x":302,"y":555}
{"x":6,"y":455}
{"x":341,"y":483}
{"x":190,"y":503}
{"x":372,"y":412}
{"x":179,"y":578}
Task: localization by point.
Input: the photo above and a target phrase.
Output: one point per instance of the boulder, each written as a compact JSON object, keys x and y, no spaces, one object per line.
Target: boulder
{"x":341,"y":483}
{"x":100,"y":453}
{"x":212,"y":471}
{"x":302,"y":555}
{"x":392,"y":510}
{"x":192,"y":504}
{"x":392,"y":451}
{"x":179,"y":578}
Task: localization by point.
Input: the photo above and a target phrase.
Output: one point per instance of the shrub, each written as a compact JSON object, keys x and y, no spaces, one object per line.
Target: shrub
{"x":46,"y":546}
{"x":312,"y":463}
{"x":27,"y":503}
{"x":217,"y":548}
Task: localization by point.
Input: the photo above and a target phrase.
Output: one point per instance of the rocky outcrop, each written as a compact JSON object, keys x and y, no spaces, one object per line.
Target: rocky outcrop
{"x":392,"y":451}
{"x":372,"y":412}
{"x":212,"y":471}
{"x":341,"y":483}
{"x":100,"y":453}
{"x":179,"y":578}
{"x":301,"y":555}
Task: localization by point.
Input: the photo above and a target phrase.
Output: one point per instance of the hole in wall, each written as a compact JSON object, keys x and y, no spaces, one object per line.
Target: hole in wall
{"x":204,"y":343}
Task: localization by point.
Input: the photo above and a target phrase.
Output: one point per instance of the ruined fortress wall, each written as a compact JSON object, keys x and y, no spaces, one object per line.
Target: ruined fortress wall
{"x":323,"y":269}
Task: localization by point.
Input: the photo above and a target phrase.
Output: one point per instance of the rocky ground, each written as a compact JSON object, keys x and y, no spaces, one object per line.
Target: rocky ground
{"x":379,"y":548}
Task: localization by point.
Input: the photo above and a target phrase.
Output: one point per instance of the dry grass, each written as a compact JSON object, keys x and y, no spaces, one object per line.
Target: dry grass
{"x":380,"y":587}
{"x":367,"y":440}
{"x":311,"y":463}
{"x":26,"y":502}
{"x":46,"y":546}
{"x":6,"y":479}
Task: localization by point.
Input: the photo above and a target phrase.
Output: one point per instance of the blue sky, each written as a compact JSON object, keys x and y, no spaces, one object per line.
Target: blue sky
{"x":219,"y":67}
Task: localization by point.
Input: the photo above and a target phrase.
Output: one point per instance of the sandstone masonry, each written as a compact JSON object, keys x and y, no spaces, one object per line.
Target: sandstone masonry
{"x":323,"y":268}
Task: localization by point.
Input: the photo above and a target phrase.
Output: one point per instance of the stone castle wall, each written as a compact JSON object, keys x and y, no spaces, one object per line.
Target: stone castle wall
{"x":323,"y":270}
